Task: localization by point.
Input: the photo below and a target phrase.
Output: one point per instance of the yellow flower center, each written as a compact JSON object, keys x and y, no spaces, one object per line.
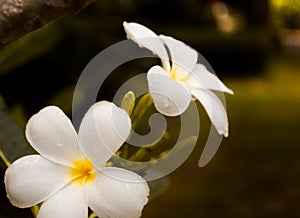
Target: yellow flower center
{"x":82,"y":171}
{"x":174,"y":75}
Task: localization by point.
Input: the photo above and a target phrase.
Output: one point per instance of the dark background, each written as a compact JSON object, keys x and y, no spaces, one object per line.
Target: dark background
{"x":253,"y":46}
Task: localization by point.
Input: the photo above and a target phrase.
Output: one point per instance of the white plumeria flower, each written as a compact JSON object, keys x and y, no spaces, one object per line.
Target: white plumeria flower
{"x":172,"y":87}
{"x":70,"y":175}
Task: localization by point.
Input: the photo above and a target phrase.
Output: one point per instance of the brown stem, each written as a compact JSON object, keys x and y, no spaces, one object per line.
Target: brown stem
{"x":18,"y":17}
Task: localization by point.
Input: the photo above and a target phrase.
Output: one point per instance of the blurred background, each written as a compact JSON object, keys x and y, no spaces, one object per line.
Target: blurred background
{"x":253,"y":46}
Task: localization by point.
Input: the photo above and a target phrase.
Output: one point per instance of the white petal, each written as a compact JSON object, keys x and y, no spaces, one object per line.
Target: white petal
{"x":214,"y":108}
{"x":32,"y":179}
{"x":69,"y":202}
{"x":51,"y":133}
{"x":104,"y":128}
{"x":202,"y":78}
{"x":171,"y":98}
{"x":184,"y":58}
{"x":146,"y":38}
{"x":117,"y":193}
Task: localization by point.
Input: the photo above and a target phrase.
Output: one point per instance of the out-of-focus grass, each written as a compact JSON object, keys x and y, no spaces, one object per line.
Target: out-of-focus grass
{"x":256,"y":172}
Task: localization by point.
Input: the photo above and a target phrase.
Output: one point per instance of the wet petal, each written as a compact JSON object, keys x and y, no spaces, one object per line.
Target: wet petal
{"x":146,"y":38}
{"x":117,"y":193}
{"x":32,"y":179}
{"x":104,"y":128}
{"x":51,"y":133}
{"x":205,"y":79}
{"x":214,"y":108}
{"x":171,"y":98}
{"x":184,"y":58}
{"x":69,"y":202}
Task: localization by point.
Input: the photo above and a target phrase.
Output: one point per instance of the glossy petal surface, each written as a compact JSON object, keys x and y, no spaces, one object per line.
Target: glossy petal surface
{"x":32,"y":179}
{"x":117,"y":193}
{"x":68,"y":202}
{"x":214,"y":108}
{"x":171,"y":98}
{"x":202,"y":78}
{"x":146,"y":38}
{"x":184,"y":58}
{"x":51,"y":133}
{"x":104,"y":128}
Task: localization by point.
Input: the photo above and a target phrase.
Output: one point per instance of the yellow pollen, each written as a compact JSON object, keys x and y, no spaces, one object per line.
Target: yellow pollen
{"x":82,"y":171}
{"x":174,"y":76}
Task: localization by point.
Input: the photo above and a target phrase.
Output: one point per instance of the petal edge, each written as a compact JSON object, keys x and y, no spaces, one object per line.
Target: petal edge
{"x":51,"y":133}
{"x":69,"y":202}
{"x":183,"y":57}
{"x":32,"y":179}
{"x":170,"y":97}
{"x":214,"y":108}
{"x":118,"y":193}
{"x":104,"y":128}
{"x":202,"y":78}
{"x":146,"y":38}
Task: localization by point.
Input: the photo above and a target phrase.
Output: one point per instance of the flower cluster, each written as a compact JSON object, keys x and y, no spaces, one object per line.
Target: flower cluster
{"x":71,"y":174}
{"x":172,"y":87}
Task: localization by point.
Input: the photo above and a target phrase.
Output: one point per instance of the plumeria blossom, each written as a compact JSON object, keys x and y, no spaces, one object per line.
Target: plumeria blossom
{"x":70,"y":172}
{"x":174,"y":85}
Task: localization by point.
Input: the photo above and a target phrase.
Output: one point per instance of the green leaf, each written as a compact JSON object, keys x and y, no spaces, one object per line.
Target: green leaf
{"x":140,"y":109}
{"x":29,"y":47}
{"x":12,"y":141}
{"x":13,"y":145}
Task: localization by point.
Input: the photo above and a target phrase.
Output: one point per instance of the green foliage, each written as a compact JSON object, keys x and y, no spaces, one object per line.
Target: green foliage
{"x":13,"y":145}
{"x":12,"y":141}
{"x":29,"y":47}
{"x":287,"y":13}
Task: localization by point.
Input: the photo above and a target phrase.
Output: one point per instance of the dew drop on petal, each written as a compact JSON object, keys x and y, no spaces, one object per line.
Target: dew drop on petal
{"x":60,"y":143}
{"x":33,"y":137}
{"x":166,"y":103}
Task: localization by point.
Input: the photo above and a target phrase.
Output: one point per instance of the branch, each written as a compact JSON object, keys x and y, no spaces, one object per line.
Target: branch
{"x":18,"y":17}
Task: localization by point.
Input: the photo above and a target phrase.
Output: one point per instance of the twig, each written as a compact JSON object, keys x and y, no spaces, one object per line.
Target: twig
{"x":18,"y":17}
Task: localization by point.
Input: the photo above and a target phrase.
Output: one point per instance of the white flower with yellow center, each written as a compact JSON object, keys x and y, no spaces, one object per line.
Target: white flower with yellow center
{"x":70,"y":175}
{"x":172,"y":87}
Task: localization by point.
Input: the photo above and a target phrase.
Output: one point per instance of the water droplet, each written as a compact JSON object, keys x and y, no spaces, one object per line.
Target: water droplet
{"x":166,"y":103}
{"x":60,"y":143}
{"x":33,"y":137}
